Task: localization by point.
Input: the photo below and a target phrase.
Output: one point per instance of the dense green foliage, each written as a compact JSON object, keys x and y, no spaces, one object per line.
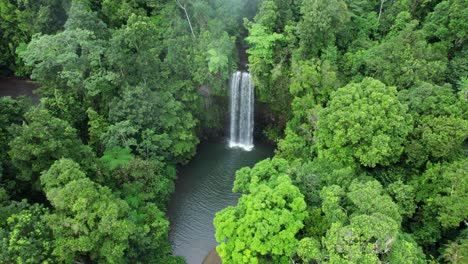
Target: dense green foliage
{"x":365,"y":123}
{"x":366,"y":101}
{"x":19,"y":21}
{"x":371,"y":96}
{"x":126,"y":91}
{"x":271,"y":204}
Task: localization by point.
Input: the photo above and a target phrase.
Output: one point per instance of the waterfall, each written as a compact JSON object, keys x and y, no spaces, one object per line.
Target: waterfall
{"x":241,"y":108}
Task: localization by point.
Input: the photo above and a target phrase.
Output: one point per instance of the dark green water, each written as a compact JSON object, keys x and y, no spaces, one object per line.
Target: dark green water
{"x":202,"y":189}
{"x":16,"y":87}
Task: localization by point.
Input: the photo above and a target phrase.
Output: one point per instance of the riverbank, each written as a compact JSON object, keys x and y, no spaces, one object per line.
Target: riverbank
{"x":212,"y":258}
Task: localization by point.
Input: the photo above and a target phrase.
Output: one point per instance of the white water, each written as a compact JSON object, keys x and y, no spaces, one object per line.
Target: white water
{"x":241,"y":108}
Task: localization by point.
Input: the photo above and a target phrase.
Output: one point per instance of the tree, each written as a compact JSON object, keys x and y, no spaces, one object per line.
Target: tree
{"x":312,"y":83}
{"x":80,"y":16}
{"x":121,"y":134}
{"x":439,"y":125}
{"x":405,"y":58}
{"x":363,"y":122}
{"x":88,"y":218}
{"x":456,"y":251}
{"x":362,"y":241}
{"x":311,"y":176}
{"x":159,"y":112}
{"x":11,"y":113}
{"x":315,"y":77}
{"x":145,"y":185}
{"x":118,"y":12}
{"x":447,"y":23}
{"x":437,"y":139}
{"x":149,"y":243}
{"x":360,"y":32}
{"x":184,"y":7}
{"x":68,"y":66}
{"x":405,"y":250}
{"x":113,"y":159}
{"x":268,"y":15}
{"x":25,"y":237}
{"x":71,"y":66}
{"x":442,"y":192}
{"x":19,"y":21}
{"x":262,"y":43}
{"x":309,"y":249}
{"x":268,"y":65}
{"x":404,"y":197}
{"x":426,"y":99}
{"x":363,"y":227}
{"x":266,"y":219}
{"x":91,"y":221}
{"x":218,"y":54}
{"x":97,"y":127}
{"x":154,"y":146}
{"x":142,"y":181}
{"x":320,"y":23}
{"x":134,"y":54}
{"x":66,"y":59}
{"x":458,"y":67}
{"x":43,"y":139}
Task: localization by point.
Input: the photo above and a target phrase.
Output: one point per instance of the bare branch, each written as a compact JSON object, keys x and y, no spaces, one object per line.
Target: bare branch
{"x":380,"y":11}
{"x":183,"y":7}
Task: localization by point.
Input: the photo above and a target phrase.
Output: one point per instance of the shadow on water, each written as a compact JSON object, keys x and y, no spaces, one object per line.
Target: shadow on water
{"x":15,"y":87}
{"x":204,"y":187}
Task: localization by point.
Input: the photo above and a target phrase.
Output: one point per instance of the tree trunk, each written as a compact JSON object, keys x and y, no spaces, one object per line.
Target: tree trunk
{"x":183,"y":7}
{"x":380,"y":11}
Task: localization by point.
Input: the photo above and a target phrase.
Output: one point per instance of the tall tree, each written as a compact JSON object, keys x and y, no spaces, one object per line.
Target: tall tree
{"x":364,"y":122}
{"x":43,"y":139}
{"x":266,"y":219}
{"x":25,"y":237}
{"x":88,"y":218}
{"x":321,"y":21}
{"x":19,"y":21}
{"x":442,"y":191}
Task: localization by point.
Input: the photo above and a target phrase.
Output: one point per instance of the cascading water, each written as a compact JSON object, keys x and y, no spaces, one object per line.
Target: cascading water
{"x":242,"y":110}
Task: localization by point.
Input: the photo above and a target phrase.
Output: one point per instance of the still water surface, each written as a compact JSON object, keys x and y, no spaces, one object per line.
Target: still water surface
{"x":16,"y":87}
{"x":204,"y":187}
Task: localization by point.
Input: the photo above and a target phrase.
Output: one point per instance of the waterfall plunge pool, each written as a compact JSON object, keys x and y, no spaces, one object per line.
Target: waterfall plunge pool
{"x":204,"y":187}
